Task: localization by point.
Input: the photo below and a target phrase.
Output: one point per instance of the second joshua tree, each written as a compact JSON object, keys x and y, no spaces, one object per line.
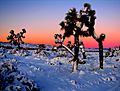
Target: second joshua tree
{"x":16,"y":39}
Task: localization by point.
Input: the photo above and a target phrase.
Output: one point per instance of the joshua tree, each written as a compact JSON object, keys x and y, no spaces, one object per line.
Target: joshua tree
{"x":74,"y":25}
{"x":16,"y":39}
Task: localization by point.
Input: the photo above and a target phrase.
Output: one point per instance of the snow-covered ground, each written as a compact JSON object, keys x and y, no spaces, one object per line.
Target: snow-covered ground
{"x":52,"y":71}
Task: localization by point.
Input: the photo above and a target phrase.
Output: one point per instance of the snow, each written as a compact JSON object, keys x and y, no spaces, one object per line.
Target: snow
{"x":52,"y":71}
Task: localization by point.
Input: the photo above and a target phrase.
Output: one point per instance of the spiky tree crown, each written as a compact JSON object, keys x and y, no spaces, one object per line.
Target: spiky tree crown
{"x":74,"y":22}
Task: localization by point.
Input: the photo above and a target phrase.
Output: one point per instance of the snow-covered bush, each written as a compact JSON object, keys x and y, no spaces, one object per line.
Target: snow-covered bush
{"x":12,"y":80}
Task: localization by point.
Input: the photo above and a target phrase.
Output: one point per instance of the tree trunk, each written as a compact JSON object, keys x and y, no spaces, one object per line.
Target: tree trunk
{"x":75,"y":66}
{"x":101,"y":54}
{"x":76,"y":52}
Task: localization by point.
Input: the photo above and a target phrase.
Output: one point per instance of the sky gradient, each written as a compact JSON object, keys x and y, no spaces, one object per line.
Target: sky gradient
{"x":41,"y":19}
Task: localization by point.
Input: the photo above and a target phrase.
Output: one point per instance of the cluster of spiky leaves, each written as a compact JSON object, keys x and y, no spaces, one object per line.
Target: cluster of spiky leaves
{"x":69,"y":24}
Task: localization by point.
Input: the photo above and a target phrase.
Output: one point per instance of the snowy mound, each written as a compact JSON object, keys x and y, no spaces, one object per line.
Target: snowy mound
{"x":12,"y":80}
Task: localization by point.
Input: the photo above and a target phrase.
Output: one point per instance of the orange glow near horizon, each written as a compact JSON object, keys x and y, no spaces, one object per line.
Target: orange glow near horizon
{"x":112,"y":39}
{"x":47,"y":37}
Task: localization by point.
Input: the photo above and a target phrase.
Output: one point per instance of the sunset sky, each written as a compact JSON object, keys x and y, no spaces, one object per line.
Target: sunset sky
{"x":41,"y":19}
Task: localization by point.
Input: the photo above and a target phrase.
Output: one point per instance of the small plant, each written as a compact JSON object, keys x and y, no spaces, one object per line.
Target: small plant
{"x":16,"y":39}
